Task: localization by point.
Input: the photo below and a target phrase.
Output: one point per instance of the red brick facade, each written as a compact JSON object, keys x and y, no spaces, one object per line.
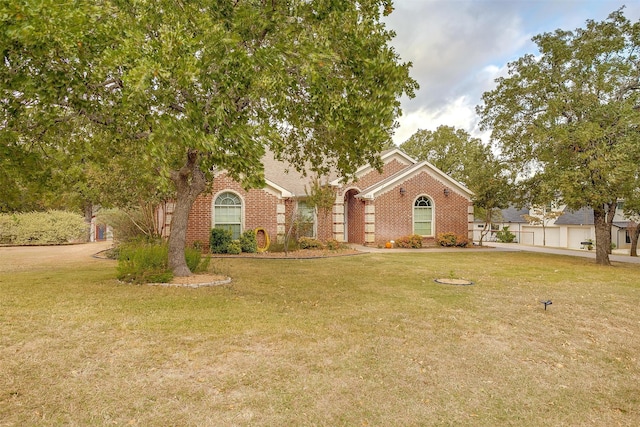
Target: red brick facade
{"x":259,"y":210}
{"x":370,"y":211}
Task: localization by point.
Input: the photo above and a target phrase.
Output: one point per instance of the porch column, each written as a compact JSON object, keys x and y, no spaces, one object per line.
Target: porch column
{"x":338,"y":219}
{"x":369,"y":223}
{"x":281,"y":211}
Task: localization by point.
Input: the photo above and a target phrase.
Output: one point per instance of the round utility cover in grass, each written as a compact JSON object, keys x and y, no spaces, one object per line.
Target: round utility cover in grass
{"x":454,"y":281}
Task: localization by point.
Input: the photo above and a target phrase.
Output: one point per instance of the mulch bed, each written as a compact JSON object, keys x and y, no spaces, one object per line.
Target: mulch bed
{"x":300,"y":254}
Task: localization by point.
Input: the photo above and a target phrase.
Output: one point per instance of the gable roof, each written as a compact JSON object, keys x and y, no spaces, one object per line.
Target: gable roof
{"x":409,"y":172}
{"x":386,"y":156}
{"x":283,"y":180}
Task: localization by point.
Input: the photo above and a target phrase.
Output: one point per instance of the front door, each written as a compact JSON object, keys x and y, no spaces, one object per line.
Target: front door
{"x":353,"y":218}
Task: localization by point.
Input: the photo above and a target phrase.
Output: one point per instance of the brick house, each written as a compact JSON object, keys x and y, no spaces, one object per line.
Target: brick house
{"x":407,"y":197}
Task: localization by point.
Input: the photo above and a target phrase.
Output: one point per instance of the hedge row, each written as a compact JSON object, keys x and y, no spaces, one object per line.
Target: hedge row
{"x":42,"y":228}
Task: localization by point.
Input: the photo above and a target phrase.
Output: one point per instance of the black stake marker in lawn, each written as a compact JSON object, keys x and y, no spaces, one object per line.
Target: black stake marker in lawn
{"x":546,"y":303}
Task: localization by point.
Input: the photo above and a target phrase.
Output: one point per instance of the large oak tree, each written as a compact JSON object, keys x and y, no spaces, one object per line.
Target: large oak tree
{"x":568,"y":117}
{"x":186,"y":86}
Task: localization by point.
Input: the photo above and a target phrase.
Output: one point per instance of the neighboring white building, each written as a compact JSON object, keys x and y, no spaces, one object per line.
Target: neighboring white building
{"x":570,"y":230}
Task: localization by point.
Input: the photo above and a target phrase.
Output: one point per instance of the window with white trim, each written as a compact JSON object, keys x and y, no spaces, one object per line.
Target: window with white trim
{"x":306,"y":220}
{"x":228,"y":213}
{"x":423,"y":216}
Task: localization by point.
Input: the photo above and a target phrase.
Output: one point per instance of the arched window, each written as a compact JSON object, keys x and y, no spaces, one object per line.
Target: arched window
{"x":228,"y":213}
{"x":423,"y":216}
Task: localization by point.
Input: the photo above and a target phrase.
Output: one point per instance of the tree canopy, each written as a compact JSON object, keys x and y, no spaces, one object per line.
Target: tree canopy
{"x":469,"y":161}
{"x":451,"y":150}
{"x":184,"y":87}
{"x":569,"y":117}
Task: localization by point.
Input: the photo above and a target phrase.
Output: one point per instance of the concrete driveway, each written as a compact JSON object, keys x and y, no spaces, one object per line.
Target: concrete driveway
{"x":557,"y":251}
{"x":505,"y":247}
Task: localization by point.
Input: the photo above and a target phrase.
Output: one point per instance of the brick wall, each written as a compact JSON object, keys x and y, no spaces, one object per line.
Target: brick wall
{"x":374,"y":176}
{"x":259,"y":210}
{"x":394,"y":212}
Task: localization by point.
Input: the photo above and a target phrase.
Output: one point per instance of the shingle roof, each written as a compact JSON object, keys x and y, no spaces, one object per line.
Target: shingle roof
{"x":583,"y":216}
{"x":510,"y":214}
{"x":286,"y":176}
{"x":514,"y":214}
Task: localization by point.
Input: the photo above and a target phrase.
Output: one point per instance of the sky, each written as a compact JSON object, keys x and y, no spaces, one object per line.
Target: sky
{"x":459,"y":47}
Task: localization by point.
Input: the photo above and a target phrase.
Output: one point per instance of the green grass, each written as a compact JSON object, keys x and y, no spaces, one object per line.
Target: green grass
{"x":360,"y":340}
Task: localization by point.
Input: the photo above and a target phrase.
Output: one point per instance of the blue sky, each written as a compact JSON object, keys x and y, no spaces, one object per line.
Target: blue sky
{"x":459,"y":47}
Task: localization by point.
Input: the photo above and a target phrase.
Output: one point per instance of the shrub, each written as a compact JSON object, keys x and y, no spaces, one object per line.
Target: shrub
{"x":143,"y":263}
{"x":451,"y":239}
{"x":42,"y":228}
{"x":234,"y":247}
{"x":129,"y":225}
{"x":310,"y":243}
{"x":334,"y":245}
{"x":219,"y":240}
{"x":413,"y":241}
{"x":248,"y":242}
{"x":447,"y":239}
{"x":195,"y":261}
{"x":505,"y":236}
{"x":462,"y":241}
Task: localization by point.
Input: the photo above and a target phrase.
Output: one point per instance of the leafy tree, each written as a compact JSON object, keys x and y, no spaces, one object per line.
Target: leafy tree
{"x":632,"y":211}
{"x":542,"y":216}
{"x":470,"y":161}
{"x":568,"y":117}
{"x":183,"y":87}
{"x":451,"y":150}
{"x":492,"y":192}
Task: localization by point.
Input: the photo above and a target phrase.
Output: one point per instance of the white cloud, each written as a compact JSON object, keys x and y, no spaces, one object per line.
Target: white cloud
{"x":459,"y":47}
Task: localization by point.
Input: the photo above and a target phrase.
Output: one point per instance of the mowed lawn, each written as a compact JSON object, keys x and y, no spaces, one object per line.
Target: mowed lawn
{"x":365,"y":340}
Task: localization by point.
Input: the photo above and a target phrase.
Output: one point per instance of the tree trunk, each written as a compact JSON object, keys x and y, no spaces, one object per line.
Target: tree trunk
{"x":88,"y":215}
{"x":603,"y":235}
{"x":189,"y":182}
{"x":635,"y":233}
{"x":484,"y":232}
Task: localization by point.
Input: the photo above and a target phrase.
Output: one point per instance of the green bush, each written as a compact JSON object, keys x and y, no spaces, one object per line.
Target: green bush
{"x":413,"y":241}
{"x":42,"y":228}
{"x":219,"y":240}
{"x":451,"y":239}
{"x":195,"y":261}
{"x":234,"y":247}
{"x":310,"y":243}
{"x":143,"y":263}
{"x":129,"y":225}
{"x":505,"y":236}
{"x":248,"y":242}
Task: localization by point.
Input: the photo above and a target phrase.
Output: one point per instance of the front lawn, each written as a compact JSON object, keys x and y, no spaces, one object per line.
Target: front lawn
{"x":357,"y":340}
